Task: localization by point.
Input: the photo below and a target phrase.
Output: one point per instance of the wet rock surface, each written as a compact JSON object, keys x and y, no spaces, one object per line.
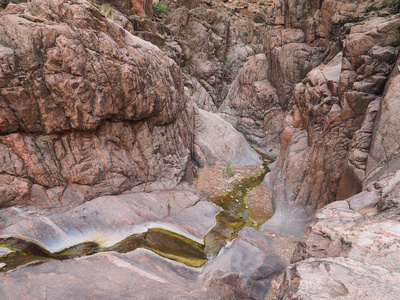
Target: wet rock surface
{"x":236,"y":275}
{"x":109,"y":219}
{"x":99,"y":129}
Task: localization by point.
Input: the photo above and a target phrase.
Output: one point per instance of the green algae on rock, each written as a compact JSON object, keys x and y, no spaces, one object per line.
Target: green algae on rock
{"x":235,"y":215}
{"x":167,"y":244}
{"x":163,"y":242}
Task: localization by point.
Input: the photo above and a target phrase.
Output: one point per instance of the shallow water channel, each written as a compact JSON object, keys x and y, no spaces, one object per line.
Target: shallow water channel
{"x":230,"y":221}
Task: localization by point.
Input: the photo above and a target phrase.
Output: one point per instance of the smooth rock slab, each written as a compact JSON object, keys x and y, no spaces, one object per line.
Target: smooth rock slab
{"x":242,"y":271}
{"x":140,"y":274}
{"x":109,"y":219}
{"x":351,"y":250}
{"x":253,"y":257}
{"x":216,"y":142}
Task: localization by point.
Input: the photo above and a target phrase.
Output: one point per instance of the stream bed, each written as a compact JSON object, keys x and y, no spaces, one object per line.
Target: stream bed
{"x":235,"y":216}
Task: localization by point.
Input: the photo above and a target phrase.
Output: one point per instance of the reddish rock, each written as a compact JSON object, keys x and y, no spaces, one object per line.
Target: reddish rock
{"x":355,"y":164}
{"x":383,"y":156}
{"x":87,"y":108}
{"x":252,"y":106}
{"x":332,"y":103}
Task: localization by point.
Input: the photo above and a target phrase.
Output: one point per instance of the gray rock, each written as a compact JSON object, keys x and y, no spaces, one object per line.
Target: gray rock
{"x":349,"y":251}
{"x":109,"y":219}
{"x":217,"y":143}
{"x":243,"y":271}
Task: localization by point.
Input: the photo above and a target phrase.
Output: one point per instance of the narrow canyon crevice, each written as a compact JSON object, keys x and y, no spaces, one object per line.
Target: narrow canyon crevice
{"x":204,"y":149}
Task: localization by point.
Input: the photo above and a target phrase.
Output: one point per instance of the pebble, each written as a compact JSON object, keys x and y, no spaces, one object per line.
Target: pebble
{"x":4,"y":251}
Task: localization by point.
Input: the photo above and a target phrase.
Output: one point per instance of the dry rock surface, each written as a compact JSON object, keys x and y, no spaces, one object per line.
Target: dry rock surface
{"x":260,"y":117}
{"x":87,"y":109}
{"x":351,"y":250}
{"x":99,"y":132}
{"x":328,"y":132}
{"x":217,"y":143}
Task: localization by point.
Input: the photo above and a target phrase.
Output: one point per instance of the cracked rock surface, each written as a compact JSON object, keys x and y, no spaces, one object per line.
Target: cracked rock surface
{"x":87,"y":109}
{"x":351,"y":250}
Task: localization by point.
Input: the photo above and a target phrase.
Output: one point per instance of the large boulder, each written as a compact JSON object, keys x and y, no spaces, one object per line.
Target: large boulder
{"x":217,"y":143}
{"x":87,"y":109}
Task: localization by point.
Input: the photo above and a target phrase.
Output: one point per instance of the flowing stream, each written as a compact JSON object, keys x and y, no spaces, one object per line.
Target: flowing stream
{"x":230,"y":221}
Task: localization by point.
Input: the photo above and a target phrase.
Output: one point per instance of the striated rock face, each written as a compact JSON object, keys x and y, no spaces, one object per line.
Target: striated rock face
{"x":216,"y":39}
{"x":355,"y":164}
{"x":344,"y":143}
{"x":87,"y":109}
{"x":109,"y":219}
{"x":199,"y":95}
{"x":252,"y":106}
{"x":384,"y":155}
{"x":290,"y":59}
{"x":323,"y":22}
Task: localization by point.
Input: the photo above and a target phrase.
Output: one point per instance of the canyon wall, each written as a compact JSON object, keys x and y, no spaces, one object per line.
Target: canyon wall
{"x":87,"y":109}
{"x":340,"y":143}
{"x":332,"y":109}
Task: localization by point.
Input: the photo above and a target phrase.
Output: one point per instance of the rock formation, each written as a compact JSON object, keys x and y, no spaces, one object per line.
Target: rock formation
{"x":88,"y":109}
{"x":330,"y":105}
{"x":97,"y":138}
{"x":252,"y":106}
{"x":217,"y":143}
{"x":351,"y":250}
{"x":336,"y":146}
{"x":101,"y":132}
